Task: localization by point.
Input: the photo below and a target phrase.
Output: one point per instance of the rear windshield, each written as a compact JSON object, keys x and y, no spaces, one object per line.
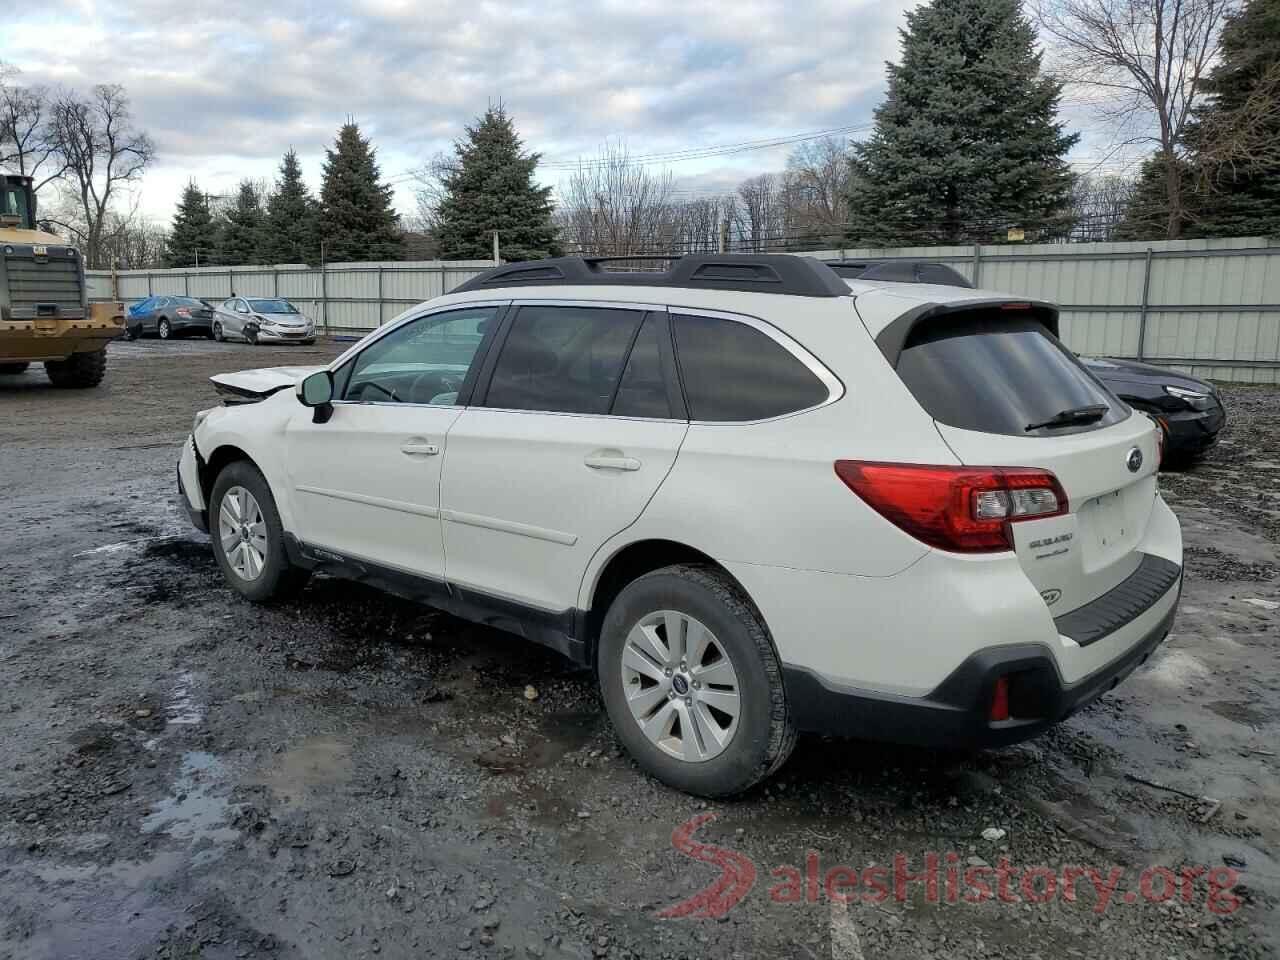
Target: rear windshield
{"x":1001,"y":374}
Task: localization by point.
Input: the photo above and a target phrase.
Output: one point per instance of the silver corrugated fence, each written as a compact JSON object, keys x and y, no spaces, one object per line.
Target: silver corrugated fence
{"x":1211,"y":307}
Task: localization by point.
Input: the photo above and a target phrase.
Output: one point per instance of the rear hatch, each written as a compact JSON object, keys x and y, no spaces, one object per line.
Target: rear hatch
{"x":1003,"y":391}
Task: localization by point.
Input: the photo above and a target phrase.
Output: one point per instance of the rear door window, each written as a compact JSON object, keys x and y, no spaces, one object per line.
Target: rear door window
{"x":733,"y":372}
{"x":997,"y":374}
{"x":643,"y":390}
{"x":563,"y":359}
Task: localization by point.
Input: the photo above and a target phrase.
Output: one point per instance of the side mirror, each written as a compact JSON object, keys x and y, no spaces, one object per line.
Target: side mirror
{"x":316,"y":391}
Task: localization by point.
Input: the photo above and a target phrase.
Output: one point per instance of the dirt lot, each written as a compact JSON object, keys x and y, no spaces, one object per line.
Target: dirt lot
{"x":185,"y":775}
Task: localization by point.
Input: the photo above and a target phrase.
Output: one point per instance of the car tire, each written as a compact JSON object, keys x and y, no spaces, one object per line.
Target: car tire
{"x":79,"y":371}
{"x":132,"y":332}
{"x":164,"y":330}
{"x":218,"y":334}
{"x":256,"y":565}
{"x":755,"y":743}
{"x":13,"y":368}
{"x":251,"y":336}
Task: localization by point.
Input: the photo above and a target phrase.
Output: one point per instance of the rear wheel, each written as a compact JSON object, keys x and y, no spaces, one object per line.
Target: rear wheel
{"x":132,"y":332}
{"x":217,"y":332}
{"x":248,"y":539}
{"x":79,"y":370}
{"x":692,"y":683}
{"x":165,"y":331}
{"x":11,"y":368}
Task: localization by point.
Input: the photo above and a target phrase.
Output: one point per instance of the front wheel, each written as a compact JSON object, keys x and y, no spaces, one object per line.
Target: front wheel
{"x":251,"y":335}
{"x":248,"y":539}
{"x":692,"y":682}
{"x":78,"y":371}
{"x":165,"y":330}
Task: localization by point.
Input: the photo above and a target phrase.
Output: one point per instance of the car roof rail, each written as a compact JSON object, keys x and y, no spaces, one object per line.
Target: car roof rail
{"x":900,"y":271}
{"x":780,"y":273}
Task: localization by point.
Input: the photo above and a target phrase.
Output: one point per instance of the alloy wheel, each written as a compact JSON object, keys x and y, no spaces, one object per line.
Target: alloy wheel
{"x":680,"y":686}
{"x":243,"y":533}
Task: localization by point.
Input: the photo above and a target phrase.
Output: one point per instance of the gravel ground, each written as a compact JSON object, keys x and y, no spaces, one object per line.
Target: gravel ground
{"x":185,"y":775}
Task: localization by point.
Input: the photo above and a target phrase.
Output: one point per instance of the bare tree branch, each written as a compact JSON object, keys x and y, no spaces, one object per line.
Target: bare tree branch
{"x":1155,"y":51}
{"x":103,"y":152}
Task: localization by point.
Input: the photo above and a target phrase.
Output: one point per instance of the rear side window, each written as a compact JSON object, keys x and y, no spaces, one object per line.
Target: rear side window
{"x":1002,"y":375}
{"x":643,"y":391}
{"x":563,"y":359}
{"x":734,"y":372}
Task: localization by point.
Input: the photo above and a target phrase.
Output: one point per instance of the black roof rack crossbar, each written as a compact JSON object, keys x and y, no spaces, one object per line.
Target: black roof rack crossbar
{"x":900,"y":271}
{"x":758,"y":273}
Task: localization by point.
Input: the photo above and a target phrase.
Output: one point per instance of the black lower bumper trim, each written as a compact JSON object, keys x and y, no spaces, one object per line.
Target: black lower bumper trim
{"x":955,"y":713}
{"x":199,"y":519}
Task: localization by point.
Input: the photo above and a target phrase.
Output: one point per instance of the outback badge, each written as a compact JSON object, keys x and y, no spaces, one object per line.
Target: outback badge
{"x":1051,"y":597}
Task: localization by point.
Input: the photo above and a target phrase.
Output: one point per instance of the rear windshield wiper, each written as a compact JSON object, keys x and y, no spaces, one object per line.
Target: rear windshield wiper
{"x":1072,"y":417}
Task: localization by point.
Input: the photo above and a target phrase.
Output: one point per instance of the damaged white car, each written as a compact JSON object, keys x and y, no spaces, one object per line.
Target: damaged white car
{"x":755,"y":497}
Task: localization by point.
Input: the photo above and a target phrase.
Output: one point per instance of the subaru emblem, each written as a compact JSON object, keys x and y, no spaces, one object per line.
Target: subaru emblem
{"x":1134,"y":460}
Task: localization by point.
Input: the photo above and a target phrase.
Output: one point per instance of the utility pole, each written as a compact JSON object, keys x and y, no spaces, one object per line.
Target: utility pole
{"x":724,"y":236}
{"x":496,"y":258}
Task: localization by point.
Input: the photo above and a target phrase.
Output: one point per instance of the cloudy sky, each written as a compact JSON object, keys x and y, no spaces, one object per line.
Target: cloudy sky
{"x":225,"y":88}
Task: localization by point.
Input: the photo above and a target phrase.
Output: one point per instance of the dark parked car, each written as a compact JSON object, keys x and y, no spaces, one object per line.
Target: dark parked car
{"x":169,"y":317}
{"x":1188,"y":409}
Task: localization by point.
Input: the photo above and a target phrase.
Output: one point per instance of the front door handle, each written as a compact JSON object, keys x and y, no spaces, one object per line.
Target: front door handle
{"x":419,"y":448}
{"x":612,"y":463}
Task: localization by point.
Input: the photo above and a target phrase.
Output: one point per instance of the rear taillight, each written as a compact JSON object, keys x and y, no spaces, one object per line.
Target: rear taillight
{"x":962,"y":509}
{"x":183,"y":312}
{"x":1162,"y":427}
{"x":999,"y":700}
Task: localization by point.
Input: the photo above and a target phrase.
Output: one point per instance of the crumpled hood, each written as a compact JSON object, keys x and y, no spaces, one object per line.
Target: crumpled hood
{"x":261,"y":382}
{"x":1112,"y":369}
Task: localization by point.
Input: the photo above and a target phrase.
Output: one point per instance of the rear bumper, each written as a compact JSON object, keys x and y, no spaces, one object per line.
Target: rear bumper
{"x":955,"y":713}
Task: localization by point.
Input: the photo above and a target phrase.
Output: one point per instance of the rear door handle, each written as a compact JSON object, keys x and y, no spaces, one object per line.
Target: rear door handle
{"x":612,"y":463}
{"x":419,"y":448}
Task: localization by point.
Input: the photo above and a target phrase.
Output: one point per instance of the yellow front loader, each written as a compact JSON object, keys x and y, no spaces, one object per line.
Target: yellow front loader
{"x":45,"y":314}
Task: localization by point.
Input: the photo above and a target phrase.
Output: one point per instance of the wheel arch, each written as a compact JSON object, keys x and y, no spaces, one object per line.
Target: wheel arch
{"x":218,"y":459}
{"x":629,"y":562}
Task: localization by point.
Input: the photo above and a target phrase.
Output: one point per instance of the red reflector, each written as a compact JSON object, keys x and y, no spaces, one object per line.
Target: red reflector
{"x":962,"y":509}
{"x":1015,"y":306}
{"x":1000,"y":699}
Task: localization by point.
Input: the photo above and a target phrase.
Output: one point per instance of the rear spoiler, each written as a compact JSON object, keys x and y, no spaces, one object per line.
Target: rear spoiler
{"x":894,"y":337}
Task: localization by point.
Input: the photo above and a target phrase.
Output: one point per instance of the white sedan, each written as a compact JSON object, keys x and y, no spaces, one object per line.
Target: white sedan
{"x":262,"y":320}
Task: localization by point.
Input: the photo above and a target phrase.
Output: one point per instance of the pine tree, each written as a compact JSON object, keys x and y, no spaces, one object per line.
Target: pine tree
{"x":242,"y":235}
{"x":357,"y":221}
{"x":491,"y":187}
{"x":291,"y":230}
{"x":967,"y":143}
{"x":193,"y":238}
{"x":1242,"y":198}
{"x":1146,"y":216}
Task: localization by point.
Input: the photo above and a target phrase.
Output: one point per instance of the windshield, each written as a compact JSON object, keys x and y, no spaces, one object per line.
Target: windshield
{"x":272,"y":306}
{"x":13,"y":203}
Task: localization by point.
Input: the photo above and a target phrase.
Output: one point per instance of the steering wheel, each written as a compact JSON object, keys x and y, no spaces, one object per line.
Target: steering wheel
{"x":377,"y":386}
{"x":431,"y":384}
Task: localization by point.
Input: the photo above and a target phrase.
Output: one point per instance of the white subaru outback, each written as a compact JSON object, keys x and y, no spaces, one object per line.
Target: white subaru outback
{"x":757,"y":498}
